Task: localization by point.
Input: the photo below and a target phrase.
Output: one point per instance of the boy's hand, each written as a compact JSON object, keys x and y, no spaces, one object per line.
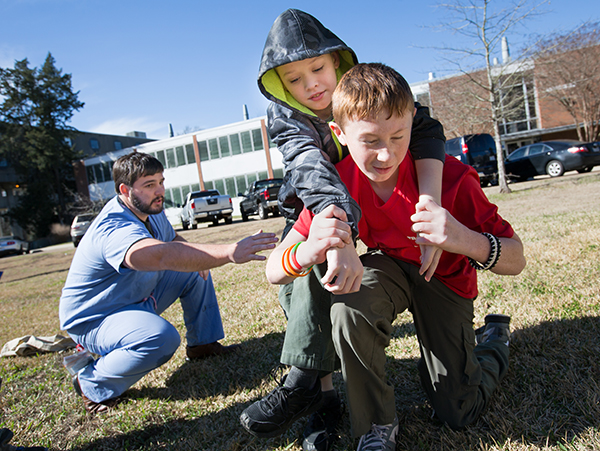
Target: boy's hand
{"x":430,"y":257}
{"x":434,"y":225}
{"x":328,"y":229}
{"x":344,"y":270}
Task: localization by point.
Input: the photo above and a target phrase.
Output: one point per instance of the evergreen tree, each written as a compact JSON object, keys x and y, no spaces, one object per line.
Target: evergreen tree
{"x":34,"y":139}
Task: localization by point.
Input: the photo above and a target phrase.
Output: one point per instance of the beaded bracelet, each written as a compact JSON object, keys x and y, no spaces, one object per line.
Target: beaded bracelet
{"x":494,"y":254}
{"x":290,"y":264}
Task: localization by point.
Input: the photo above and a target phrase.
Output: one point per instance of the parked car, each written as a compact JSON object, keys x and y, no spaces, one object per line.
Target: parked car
{"x":261,"y":199}
{"x":79,"y":226}
{"x":550,"y":157}
{"x":479,"y":151}
{"x":13,"y":245}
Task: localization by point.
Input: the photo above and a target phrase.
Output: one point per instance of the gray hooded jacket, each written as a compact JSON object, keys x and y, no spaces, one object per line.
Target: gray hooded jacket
{"x":306,"y":142}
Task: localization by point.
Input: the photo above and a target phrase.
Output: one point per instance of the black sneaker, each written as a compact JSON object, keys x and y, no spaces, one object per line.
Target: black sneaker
{"x":321,"y":430}
{"x":275,"y":413}
{"x":497,"y":327}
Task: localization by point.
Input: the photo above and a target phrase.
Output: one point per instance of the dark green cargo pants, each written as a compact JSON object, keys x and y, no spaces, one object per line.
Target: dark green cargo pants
{"x":458,"y":376}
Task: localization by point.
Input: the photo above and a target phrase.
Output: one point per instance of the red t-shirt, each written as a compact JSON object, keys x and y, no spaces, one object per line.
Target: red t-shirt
{"x":387,"y":226}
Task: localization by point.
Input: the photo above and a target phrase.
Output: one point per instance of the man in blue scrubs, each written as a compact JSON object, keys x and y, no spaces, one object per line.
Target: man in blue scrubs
{"x":129,"y":268}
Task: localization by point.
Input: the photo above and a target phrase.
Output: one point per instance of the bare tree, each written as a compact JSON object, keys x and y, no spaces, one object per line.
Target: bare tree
{"x":568,"y":73}
{"x":493,"y":93}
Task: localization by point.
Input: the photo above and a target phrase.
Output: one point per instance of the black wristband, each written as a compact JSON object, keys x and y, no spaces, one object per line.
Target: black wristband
{"x":494,"y":254}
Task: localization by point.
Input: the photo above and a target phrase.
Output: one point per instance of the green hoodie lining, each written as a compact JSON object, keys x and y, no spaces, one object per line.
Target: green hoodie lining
{"x":273,"y":85}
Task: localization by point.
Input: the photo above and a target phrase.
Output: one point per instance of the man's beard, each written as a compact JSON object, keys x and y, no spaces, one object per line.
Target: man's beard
{"x":147,"y":209}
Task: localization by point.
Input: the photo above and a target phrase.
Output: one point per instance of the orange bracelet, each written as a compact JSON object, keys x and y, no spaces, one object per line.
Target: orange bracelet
{"x":287,"y":262}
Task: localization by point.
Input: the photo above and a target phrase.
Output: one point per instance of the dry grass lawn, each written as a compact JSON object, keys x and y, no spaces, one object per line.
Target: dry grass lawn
{"x":550,"y":399}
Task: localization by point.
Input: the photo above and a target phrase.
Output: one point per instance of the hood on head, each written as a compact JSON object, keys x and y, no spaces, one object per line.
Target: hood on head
{"x":295,"y":36}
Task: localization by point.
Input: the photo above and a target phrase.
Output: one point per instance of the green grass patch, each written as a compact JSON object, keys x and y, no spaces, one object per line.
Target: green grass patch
{"x":550,"y":399}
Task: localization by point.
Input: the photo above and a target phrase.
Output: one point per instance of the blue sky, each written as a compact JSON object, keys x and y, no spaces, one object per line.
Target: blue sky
{"x":142,"y":64}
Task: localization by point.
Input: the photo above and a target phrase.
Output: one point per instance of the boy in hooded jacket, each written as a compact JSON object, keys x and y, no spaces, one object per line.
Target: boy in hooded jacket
{"x":302,"y":62}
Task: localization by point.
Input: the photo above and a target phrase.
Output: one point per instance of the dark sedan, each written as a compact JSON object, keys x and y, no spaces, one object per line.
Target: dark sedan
{"x":552,"y":158}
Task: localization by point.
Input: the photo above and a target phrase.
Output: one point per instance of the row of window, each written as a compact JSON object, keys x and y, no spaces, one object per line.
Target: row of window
{"x":99,"y":173}
{"x":102,"y":172}
{"x":231,"y":185}
{"x":212,"y":149}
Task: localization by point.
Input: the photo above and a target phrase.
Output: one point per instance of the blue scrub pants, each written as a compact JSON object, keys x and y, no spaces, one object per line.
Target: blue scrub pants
{"x":136,"y":339}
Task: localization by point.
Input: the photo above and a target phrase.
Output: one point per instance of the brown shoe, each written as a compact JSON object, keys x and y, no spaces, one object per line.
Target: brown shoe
{"x":93,"y":407}
{"x":208,"y":350}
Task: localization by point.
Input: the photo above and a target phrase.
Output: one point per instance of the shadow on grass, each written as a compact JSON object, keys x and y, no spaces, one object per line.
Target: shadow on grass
{"x":550,"y":397}
{"x":219,"y":375}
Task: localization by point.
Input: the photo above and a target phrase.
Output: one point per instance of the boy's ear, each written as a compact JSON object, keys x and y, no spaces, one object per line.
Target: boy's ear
{"x":336,"y":59}
{"x":338,"y":133}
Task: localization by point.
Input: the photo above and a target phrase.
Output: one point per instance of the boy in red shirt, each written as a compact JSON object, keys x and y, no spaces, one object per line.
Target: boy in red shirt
{"x":373,"y":110}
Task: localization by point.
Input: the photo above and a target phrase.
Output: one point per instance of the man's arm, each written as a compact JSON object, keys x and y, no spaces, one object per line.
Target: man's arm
{"x":178,"y":255}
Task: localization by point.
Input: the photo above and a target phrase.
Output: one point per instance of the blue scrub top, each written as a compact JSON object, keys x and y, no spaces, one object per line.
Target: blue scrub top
{"x":97,"y":283}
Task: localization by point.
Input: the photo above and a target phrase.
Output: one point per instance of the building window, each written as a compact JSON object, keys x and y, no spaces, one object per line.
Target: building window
{"x":177,"y":197}
{"x":203,"y":150}
{"x":168,"y":198}
{"x":230,"y":186}
{"x":246,"y":141}
{"x":118,"y":145}
{"x":214,"y":148}
{"x":189,"y":153}
{"x":224,"y":144}
{"x":98,"y":172}
{"x":160,"y":156}
{"x":180,"y":156}
{"x":240,"y":181}
{"x":236,"y":147}
{"x":94,"y":144}
{"x":517,"y":105}
{"x":107,"y":171}
{"x":219,"y":185}
{"x":90,"y":174}
{"x":257,"y":139}
{"x":170,"y":158}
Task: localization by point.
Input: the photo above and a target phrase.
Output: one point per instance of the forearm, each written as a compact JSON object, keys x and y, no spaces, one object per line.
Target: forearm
{"x":429,"y":174}
{"x":181,"y":256}
{"x":319,"y":185}
{"x":274,"y":268}
{"x":478,"y":247}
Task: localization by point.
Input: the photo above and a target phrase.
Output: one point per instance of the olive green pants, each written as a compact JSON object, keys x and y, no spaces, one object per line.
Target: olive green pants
{"x":307,"y":342}
{"x":458,"y":377}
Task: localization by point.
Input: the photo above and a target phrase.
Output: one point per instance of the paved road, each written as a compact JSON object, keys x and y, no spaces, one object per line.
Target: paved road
{"x":55,"y":248}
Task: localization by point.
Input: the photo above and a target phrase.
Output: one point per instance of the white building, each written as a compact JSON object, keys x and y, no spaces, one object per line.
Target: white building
{"x":227,"y":158}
